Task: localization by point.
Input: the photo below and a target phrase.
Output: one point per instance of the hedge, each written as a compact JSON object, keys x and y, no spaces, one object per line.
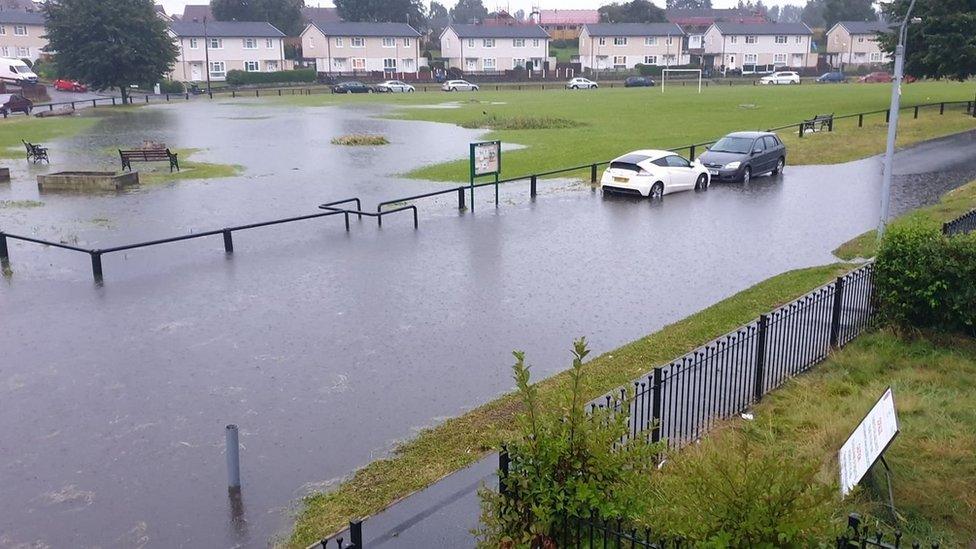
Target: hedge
{"x":239,"y":78}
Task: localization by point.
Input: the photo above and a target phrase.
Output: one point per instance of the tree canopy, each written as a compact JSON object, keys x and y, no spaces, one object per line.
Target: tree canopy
{"x":285,"y":15}
{"x":848,"y":10}
{"x":688,"y":4}
{"x":941,"y":44}
{"x":467,"y":11}
{"x":383,"y":11}
{"x":109,"y":43}
{"x":635,"y":11}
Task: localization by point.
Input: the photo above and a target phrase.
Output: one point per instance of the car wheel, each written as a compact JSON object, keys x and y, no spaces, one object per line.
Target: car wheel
{"x":747,"y":175}
{"x":780,"y":164}
{"x":574,"y":87}
{"x":453,"y":89}
{"x":657,"y":191}
{"x":702,"y":183}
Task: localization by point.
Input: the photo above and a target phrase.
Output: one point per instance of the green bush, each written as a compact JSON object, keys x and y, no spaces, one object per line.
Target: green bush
{"x":924,"y":279}
{"x":46,"y":70}
{"x":240,"y":78}
{"x":566,"y":464}
{"x":171,"y":86}
{"x":729,"y":493}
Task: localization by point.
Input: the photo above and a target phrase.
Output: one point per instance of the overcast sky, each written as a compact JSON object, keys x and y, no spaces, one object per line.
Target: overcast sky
{"x":176,"y":6}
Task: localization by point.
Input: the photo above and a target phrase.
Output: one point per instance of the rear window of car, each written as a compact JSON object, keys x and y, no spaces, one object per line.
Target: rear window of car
{"x":632,"y":158}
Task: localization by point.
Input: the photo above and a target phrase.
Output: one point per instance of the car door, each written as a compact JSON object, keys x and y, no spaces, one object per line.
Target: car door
{"x":757,"y":159}
{"x":774,"y":150}
{"x":682,"y":176}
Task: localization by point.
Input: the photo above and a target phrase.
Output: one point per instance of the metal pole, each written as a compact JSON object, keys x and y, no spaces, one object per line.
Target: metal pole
{"x":3,"y":248}
{"x":96,"y":261}
{"x":206,"y":55}
{"x":228,"y":242}
{"x":233,"y":457}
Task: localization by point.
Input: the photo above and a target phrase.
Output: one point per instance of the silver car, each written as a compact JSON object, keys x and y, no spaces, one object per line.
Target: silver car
{"x":459,"y":85}
{"x":581,"y":84}
{"x":394,"y":86}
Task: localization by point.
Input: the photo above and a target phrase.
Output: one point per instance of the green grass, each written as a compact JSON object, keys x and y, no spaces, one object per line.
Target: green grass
{"x":952,"y":205}
{"x":360,"y":140}
{"x":933,"y":460}
{"x":158,"y":173}
{"x":460,"y":441}
{"x":38,"y":131}
{"x":519,"y":122}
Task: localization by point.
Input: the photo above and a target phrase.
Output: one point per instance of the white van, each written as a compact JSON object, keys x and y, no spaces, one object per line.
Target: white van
{"x":16,"y":71}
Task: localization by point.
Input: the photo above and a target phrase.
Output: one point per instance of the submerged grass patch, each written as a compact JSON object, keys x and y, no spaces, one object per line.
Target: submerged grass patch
{"x":494,"y":122}
{"x":360,"y":139}
{"x":38,"y":131}
{"x":158,"y":173}
{"x":20,"y":204}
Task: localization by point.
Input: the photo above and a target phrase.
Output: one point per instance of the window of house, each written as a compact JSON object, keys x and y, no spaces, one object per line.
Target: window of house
{"x":407,"y":63}
{"x":311,"y":42}
{"x":488,"y":42}
{"x":750,"y":59}
{"x":650,"y":60}
{"x":3,"y":30}
{"x":250,"y":44}
{"x":23,"y":52}
{"x":860,"y":39}
{"x":603,"y":41}
{"x":470,"y":42}
{"x":216,"y":43}
{"x":338,"y":41}
{"x":733,"y":39}
{"x":251,"y":66}
{"x":535,"y":42}
{"x":875,"y":56}
{"x":358,"y":42}
{"x":359,"y":64}
{"x":389,"y":42}
{"x":619,"y":61}
{"x":406,"y":42}
{"x":269,"y":43}
{"x":799,"y":40}
{"x":389,"y":65}
{"x":271,"y":66}
{"x":670,"y":40}
{"x":752,"y":39}
{"x":5,"y":51}
{"x":217,"y":69}
{"x":20,"y":30}
{"x":780,"y":39}
{"x":488,"y":63}
{"x":779,"y":59}
{"x":619,"y":40}
{"x":338,"y":62}
{"x":194,"y":44}
{"x":518,"y":42}
{"x":650,"y":41}
{"x":518,"y":63}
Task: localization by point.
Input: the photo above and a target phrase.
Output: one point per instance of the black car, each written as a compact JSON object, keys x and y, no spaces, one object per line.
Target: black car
{"x":638,"y":82}
{"x":831,"y":77}
{"x":351,"y":87}
{"x":741,"y":155}
{"x":13,"y":102}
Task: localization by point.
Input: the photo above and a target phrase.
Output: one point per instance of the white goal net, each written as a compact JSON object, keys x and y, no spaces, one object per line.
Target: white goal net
{"x":664,"y":76}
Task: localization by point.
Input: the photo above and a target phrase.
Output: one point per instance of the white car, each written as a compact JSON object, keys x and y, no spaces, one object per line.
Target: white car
{"x":459,"y":85}
{"x":394,"y":86}
{"x":653,"y":173}
{"x":581,"y":84}
{"x":782,"y":77}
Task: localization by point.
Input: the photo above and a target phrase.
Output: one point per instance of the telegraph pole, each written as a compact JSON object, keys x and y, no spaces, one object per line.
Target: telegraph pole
{"x":206,"y":56}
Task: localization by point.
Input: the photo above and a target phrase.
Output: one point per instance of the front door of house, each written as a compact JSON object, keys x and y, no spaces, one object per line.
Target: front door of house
{"x":195,"y":71}
{"x":470,"y":64}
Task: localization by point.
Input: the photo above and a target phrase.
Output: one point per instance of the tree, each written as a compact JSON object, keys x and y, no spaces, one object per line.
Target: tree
{"x":285,"y":15}
{"x":942,"y":44}
{"x":467,"y":11}
{"x":789,"y":13}
{"x":383,"y":11}
{"x":635,"y":11}
{"x":437,"y":10}
{"x":848,"y":10}
{"x":688,"y":4}
{"x":813,"y":14}
{"x":109,"y":43}
{"x":773,"y":14}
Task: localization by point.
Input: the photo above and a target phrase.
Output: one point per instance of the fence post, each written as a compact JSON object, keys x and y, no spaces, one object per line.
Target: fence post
{"x":96,"y":261}
{"x":461,"y":205}
{"x":942,"y":108}
{"x":228,"y":242}
{"x":835,"y":314}
{"x":656,"y":406}
{"x":233,"y":448}
{"x":113,"y":101}
{"x":760,"y":358}
{"x":916,"y":111}
{"x":860,"y":121}
{"x":4,"y":256}
{"x":50,"y":107}
{"x":532,"y":181}
{"x":887,"y":116}
{"x":830,"y":124}
{"x":147,"y":99}
{"x":692,"y":152}
{"x":94,"y":104}
{"x":801,"y":129}
{"x":355,"y":534}
{"x":592,"y":173}
{"x":504,"y":462}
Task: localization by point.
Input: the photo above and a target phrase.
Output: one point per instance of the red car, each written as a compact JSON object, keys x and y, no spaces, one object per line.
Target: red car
{"x":879,"y":76}
{"x":69,"y":86}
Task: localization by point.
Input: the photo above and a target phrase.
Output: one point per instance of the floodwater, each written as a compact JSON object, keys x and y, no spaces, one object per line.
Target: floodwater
{"x":328,"y":347}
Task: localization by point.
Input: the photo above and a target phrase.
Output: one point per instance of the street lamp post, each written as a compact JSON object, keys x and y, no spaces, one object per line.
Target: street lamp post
{"x":893,"y":122}
{"x":206,"y":56}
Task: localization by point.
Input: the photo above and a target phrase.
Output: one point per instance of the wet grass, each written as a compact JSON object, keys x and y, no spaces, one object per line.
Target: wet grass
{"x":38,"y":131}
{"x":158,"y":173}
{"x":952,"y":205}
{"x":932,"y":459}
{"x":23,"y":204}
{"x":458,"y":442}
{"x":360,"y":140}
{"x":519,"y":122}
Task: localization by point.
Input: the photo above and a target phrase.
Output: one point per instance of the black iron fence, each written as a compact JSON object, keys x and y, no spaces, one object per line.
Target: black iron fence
{"x":963,"y":224}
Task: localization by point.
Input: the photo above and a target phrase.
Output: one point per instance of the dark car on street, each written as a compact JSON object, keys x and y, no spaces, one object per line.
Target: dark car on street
{"x":639,"y":82}
{"x":15,"y":103}
{"x":741,"y":155}
{"x":351,"y":87}
{"x":831,"y":78}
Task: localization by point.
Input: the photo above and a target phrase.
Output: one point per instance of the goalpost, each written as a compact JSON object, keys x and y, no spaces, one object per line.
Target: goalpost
{"x":664,"y":76}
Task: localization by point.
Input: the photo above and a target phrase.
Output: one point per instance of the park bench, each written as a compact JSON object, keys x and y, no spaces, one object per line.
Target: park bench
{"x":824,"y":121}
{"x":148,"y":155}
{"x":35,"y":152}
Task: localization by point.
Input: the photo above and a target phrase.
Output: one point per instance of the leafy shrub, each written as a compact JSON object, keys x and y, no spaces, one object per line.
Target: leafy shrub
{"x":729,"y":493}
{"x":566,"y":464}
{"x":171,"y":86}
{"x":46,"y":70}
{"x":240,"y":78}
{"x":924,"y":279}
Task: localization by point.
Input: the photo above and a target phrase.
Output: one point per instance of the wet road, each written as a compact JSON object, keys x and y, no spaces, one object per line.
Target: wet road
{"x":325,"y":346}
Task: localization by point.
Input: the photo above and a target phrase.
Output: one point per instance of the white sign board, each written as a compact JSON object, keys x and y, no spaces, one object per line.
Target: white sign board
{"x":868,"y":441}
{"x":486,"y":157}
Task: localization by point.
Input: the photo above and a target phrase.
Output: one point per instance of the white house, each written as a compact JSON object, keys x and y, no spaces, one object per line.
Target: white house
{"x":495,"y":48}
{"x":609,"y":46}
{"x":856,"y":43}
{"x":228,"y":45}
{"x":22,"y":34}
{"x":341,"y":47}
{"x":731,"y":46}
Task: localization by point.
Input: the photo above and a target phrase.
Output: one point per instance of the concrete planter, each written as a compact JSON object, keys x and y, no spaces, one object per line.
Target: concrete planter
{"x":87,"y":181}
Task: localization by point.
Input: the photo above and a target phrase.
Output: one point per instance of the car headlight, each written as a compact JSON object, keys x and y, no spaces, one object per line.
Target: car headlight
{"x":732,"y":165}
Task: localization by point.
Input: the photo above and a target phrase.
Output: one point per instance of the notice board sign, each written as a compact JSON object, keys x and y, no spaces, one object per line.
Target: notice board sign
{"x":486,"y":158}
{"x":867,"y":442}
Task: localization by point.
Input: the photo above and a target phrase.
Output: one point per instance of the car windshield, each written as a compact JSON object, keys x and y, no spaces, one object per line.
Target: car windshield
{"x":739,"y":145}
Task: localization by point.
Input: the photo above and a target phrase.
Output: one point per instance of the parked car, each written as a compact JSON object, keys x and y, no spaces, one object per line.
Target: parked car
{"x":394,"y":86}
{"x":351,"y":87}
{"x":581,"y":84}
{"x":831,"y":78}
{"x":12,"y":102}
{"x":876,"y":77}
{"x":69,"y":85}
{"x":16,"y":71}
{"x":781,"y":77}
{"x":458,"y":85}
{"x":639,"y":82}
{"x":741,"y":155}
{"x":653,"y":173}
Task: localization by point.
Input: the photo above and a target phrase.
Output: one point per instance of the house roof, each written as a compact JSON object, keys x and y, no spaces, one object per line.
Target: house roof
{"x":508,"y":31}
{"x":634,"y":29}
{"x":342,"y":28}
{"x":865,"y":27}
{"x":18,"y":17}
{"x":197,"y":12}
{"x":320,"y":15}
{"x":568,"y":17}
{"x":226,"y":29}
{"x":762,"y":28}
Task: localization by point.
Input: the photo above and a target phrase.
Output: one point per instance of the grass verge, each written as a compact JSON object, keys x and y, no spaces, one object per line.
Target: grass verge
{"x":38,"y":131}
{"x":358,"y":139}
{"x":932,"y":459}
{"x":460,"y":441}
{"x":953,"y":204}
{"x":157,"y":174}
